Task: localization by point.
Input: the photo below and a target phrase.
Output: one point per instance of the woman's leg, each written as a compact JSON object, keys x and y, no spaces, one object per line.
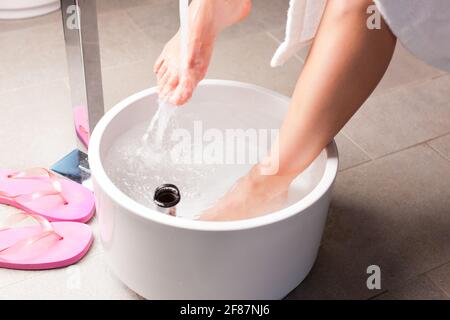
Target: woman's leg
{"x":345,"y":64}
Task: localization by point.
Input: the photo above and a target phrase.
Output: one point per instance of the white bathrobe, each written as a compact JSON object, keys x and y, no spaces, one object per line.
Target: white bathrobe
{"x":422,"y":26}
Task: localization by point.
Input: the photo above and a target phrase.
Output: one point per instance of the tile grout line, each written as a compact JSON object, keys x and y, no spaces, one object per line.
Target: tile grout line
{"x":377,"y":295}
{"x":437,"y":267}
{"x":410,"y":280}
{"x":121,"y":65}
{"x":124,"y":12}
{"x":270,"y":35}
{"x":440,"y":75}
{"x":31,"y":86}
{"x":355,"y":166}
{"x":141,"y":30}
{"x":425,"y":274}
{"x":414,"y":83}
{"x":437,"y":151}
{"x":36,"y":276}
{"x":38,"y":26}
{"x":357,"y":145}
{"x":425,"y":143}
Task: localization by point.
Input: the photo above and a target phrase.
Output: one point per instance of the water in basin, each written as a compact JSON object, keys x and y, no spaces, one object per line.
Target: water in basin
{"x":137,"y":168}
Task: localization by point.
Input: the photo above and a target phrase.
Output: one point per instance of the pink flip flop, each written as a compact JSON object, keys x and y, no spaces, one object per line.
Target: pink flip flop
{"x":47,"y":246}
{"x":81,"y":124}
{"x":42,"y":192}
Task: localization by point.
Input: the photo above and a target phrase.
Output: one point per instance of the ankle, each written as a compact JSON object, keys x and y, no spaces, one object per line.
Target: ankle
{"x":224,"y":12}
{"x":277,"y":184}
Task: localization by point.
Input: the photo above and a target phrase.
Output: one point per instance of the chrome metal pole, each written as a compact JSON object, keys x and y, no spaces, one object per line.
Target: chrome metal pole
{"x":79,"y":20}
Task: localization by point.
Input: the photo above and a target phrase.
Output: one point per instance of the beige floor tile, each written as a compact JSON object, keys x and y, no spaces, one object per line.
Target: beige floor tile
{"x":350,"y":154}
{"x":402,"y":118}
{"x":159,"y":21}
{"x":89,"y":279}
{"x":134,"y":3}
{"x":279,"y":34}
{"x":442,"y":145}
{"x":107,"y":6}
{"x":392,"y":212}
{"x":405,"y":68}
{"x":250,"y":26}
{"x":9,"y":277}
{"x":247,"y":59}
{"x":13,"y":25}
{"x":420,"y":288}
{"x":120,"y":82}
{"x":32,"y":56}
{"x":272,"y":14}
{"x":36,"y":126}
{"x":441,"y":277}
{"x":121,"y":41}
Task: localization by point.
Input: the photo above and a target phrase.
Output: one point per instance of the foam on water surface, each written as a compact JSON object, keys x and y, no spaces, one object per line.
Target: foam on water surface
{"x":138,"y":171}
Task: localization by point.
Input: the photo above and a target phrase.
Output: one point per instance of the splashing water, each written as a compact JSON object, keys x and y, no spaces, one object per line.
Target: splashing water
{"x":139,"y":176}
{"x":184,"y":32}
{"x":159,"y":123}
{"x":155,"y":134}
{"x":152,"y":153}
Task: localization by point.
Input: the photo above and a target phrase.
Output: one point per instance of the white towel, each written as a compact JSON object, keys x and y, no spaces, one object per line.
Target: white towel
{"x":303,"y":19}
{"x":422,"y":26}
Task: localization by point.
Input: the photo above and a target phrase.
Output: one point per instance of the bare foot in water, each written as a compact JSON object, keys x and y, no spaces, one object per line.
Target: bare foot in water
{"x":253,"y":195}
{"x":206,"y":19}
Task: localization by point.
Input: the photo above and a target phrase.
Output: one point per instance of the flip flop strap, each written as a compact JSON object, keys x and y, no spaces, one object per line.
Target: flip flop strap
{"x":36,"y":173}
{"x":47,"y":233}
{"x":82,"y":128}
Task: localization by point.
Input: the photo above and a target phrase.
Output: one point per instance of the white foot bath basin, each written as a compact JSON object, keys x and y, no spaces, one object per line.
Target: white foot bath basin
{"x":164,"y":257}
{"x":20,"y":9}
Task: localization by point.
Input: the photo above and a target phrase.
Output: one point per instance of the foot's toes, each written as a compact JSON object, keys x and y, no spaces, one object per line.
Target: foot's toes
{"x":208,"y":215}
{"x":168,"y":84}
{"x":163,"y":80}
{"x":182,"y":93}
{"x":162,"y":70}
{"x":158,"y":63}
{"x":173,"y":81}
